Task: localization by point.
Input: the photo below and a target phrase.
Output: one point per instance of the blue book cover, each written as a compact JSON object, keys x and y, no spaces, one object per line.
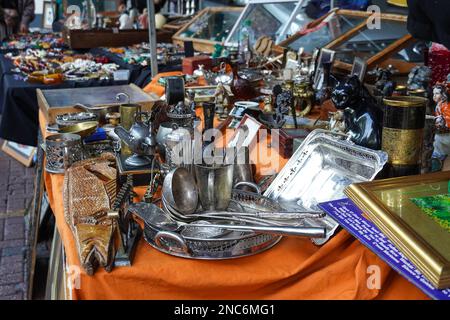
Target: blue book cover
{"x":350,"y":217}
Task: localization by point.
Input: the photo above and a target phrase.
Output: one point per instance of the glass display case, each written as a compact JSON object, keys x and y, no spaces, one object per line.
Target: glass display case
{"x":273,"y":18}
{"x":208,"y":28}
{"x":324,"y":30}
{"x":350,"y":35}
{"x":391,"y":43}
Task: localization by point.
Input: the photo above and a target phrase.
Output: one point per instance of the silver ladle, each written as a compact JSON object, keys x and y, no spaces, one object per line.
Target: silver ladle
{"x":180,"y":191}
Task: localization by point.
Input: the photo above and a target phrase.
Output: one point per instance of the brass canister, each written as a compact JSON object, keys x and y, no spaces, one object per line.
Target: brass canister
{"x":128,"y":112}
{"x":403,"y":134}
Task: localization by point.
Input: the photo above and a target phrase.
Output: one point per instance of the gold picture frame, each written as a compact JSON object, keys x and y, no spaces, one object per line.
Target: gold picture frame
{"x":22,"y":153}
{"x":391,"y":205}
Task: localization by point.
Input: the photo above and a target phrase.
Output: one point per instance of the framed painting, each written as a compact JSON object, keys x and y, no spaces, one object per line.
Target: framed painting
{"x":414,"y":213}
{"x":49,"y":14}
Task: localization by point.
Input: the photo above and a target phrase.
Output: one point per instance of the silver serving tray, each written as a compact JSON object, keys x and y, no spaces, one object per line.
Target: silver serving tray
{"x":320,"y":169}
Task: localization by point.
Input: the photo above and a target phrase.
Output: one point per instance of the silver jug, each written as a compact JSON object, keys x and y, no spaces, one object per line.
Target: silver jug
{"x":214,"y":184}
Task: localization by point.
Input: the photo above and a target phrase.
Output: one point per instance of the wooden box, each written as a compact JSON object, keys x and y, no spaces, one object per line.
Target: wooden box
{"x":191,"y":63}
{"x":87,"y":39}
{"x":59,"y":101}
{"x":286,"y":139}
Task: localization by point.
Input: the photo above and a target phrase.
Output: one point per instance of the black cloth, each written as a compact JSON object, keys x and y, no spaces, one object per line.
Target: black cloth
{"x":19,"y":107}
{"x":18,"y":100}
{"x":135,"y":70}
{"x":9,"y":4}
{"x":429,"y":20}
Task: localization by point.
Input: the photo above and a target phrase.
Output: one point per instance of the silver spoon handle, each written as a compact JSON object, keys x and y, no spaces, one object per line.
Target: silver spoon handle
{"x":282,"y":231}
{"x":272,"y":215}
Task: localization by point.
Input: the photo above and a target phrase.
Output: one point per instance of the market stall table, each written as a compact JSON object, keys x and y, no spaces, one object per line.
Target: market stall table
{"x":19,"y":108}
{"x":294,"y":269}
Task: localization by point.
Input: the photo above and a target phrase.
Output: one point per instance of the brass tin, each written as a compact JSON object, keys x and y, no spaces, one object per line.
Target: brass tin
{"x":405,"y":101}
{"x":127,"y":114}
{"x":402,"y":145}
{"x":403,"y":134}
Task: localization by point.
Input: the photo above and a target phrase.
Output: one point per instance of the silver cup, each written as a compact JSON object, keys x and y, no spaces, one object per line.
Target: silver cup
{"x":62,"y":150}
{"x":214,"y":184}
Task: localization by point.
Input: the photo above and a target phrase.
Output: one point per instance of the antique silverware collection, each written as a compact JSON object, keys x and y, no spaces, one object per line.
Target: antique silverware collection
{"x":217,"y":211}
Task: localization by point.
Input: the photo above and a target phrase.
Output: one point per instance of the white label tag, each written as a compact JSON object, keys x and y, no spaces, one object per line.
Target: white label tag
{"x":115,"y":30}
{"x":121,"y":75}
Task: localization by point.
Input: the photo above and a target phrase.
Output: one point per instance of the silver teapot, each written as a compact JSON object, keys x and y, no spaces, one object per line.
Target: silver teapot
{"x":139,"y":139}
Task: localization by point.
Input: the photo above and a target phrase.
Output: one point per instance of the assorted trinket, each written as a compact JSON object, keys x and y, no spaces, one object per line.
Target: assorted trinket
{"x":214,"y":209}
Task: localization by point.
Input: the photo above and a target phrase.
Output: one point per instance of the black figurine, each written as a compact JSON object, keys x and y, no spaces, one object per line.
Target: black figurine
{"x":384,"y":86}
{"x":419,"y":78}
{"x":363,"y":117}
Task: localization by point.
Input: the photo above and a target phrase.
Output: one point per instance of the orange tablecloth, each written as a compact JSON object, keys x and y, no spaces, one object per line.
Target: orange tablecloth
{"x":293,"y":269}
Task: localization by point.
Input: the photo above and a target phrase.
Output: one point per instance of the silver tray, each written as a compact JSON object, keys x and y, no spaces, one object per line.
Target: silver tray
{"x":320,"y":169}
{"x":213,"y":249}
{"x":199,"y":244}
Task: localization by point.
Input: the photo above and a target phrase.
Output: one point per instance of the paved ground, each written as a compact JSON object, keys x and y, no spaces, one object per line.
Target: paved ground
{"x":16,"y":192}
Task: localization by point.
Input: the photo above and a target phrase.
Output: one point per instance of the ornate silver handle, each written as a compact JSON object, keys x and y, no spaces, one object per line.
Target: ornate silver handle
{"x":170,"y":235}
{"x":123,"y":94}
{"x":309,"y":232}
{"x":248,"y":184}
{"x":211,"y":195}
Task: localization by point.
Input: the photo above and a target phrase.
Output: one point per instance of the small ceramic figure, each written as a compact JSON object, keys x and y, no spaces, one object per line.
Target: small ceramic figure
{"x":442,"y":138}
{"x":384,"y":85}
{"x":363,"y":117}
{"x":268,"y":104}
{"x":200,"y":71}
{"x":222,"y":100}
{"x":419,"y":78}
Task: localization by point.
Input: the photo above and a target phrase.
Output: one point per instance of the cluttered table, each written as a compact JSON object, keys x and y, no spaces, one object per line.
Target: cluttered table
{"x":18,"y":100}
{"x":294,"y":268}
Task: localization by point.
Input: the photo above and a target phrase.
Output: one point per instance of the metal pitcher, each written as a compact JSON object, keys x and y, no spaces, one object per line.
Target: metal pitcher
{"x":215,"y":184}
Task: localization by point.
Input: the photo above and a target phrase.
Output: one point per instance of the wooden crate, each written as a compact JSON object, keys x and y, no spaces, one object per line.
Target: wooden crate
{"x":59,"y":101}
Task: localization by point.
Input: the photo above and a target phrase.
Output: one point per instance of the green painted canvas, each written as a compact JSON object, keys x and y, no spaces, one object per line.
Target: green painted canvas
{"x":436,"y":207}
